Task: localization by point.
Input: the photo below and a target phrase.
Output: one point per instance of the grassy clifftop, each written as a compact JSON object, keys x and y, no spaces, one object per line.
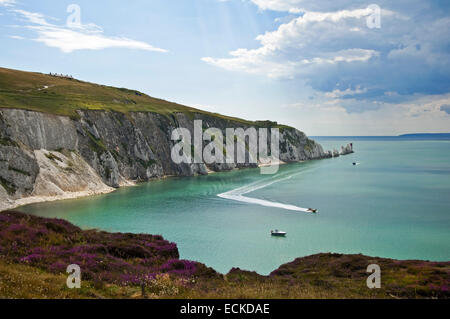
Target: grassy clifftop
{"x":63,"y":96}
{"x":34,"y":253}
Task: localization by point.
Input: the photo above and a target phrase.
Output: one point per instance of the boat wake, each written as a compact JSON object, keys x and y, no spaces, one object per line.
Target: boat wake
{"x":238,"y":195}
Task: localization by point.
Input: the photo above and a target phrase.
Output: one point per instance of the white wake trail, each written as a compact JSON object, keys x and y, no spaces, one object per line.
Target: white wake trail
{"x":237,"y":195}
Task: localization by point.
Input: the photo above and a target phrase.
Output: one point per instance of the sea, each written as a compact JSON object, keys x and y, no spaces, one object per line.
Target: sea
{"x":394,"y":203}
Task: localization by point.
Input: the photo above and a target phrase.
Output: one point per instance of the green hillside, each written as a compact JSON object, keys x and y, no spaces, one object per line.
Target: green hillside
{"x":63,"y":96}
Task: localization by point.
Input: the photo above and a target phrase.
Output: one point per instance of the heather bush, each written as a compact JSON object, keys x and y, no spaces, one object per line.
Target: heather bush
{"x":131,"y":260}
{"x":53,"y":244}
{"x":182,"y":268}
{"x":57,"y":267}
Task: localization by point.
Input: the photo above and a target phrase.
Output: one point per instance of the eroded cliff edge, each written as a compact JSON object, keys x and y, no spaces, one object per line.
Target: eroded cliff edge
{"x":48,"y":157}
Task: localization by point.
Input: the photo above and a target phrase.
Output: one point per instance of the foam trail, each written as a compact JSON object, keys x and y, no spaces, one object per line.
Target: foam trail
{"x":237,"y":195}
{"x":263,"y":202}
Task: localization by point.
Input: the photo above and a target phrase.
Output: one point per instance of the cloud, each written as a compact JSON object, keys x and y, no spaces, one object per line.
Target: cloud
{"x":69,"y":40}
{"x":17,"y":37}
{"x":337,"y":55}
{"x":347,"y":92}
{"x":33,"y":17}
{"x":292,"y":6}
{"x":82,"y":37}
{"x":7,"y":3}
{"x":445,"y":108}
{"x":264,"y":61}
{"x":296,"y":46}
{"x":421,"y":114}
{"x":298,"y":6}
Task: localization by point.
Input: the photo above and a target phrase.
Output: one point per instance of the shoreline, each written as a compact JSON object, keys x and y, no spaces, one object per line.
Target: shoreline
{"x":24,"y":201}
{"x":44,"y":199}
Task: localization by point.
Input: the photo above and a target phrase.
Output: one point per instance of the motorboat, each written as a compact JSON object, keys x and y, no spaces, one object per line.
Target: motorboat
{"x":278,"y":233}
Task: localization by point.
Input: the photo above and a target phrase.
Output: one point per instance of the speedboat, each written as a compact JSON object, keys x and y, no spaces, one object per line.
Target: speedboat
{"x":278,"y":233}
{"x":312,"y":210}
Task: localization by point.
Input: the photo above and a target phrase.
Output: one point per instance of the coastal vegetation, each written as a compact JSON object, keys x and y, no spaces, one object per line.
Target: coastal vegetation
{"x":35,"y":251}
{"x":61,"y":95}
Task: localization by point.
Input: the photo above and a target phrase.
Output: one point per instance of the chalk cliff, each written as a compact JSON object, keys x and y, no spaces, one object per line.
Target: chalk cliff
{"x":64,"y":138}
{"x":45,"y":156}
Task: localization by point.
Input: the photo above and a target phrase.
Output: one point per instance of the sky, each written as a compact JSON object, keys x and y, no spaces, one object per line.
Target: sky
{"x":326,"y":67}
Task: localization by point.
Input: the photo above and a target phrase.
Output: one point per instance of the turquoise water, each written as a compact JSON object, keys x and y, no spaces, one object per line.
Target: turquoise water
{"x":395,"y":204}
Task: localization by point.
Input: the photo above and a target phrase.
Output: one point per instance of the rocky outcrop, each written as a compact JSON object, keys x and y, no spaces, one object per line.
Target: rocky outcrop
{"x":348,"y":149}
{"x":335,"y":153}
{"x":48,"y":155}
{"x":345,"y":150}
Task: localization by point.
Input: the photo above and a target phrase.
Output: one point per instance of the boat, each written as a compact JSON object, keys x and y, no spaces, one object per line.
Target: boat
{"x":312,"y":210}
{"x":278,"y":233}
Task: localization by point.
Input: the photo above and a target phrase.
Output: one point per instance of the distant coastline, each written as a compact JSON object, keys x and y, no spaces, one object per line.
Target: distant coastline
{"x":412,"y":136}
{"x":433,"y":136}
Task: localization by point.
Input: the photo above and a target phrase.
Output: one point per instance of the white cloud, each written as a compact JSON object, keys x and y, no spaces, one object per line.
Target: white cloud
{"x":36,"y":18}
{"x":347,"y":92}
{"x":292,"y":6}
{"x":295,"y":46}
{"x":7,"y":3}
{"x":350,"y":55}
{"x":338,"y":56}
{"x":83,"y":37}
{"x":324,"y":116}
{"x":263,"y":61}
{"x":299,"y":6}
{"x":69,"y":40}
{"x":17,"y":37}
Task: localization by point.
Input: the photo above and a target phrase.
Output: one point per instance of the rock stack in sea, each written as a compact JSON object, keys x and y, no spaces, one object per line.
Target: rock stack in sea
{"x":348,"y":149}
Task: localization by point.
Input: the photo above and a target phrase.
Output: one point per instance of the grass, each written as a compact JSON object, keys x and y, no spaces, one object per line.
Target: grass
{"x":63,"y":96}
{"x":34,"y":254}
{"x":36,"y":283}
{"x":95,"y":145}
{"x":7,"y":142}
{"x":10,"y":188}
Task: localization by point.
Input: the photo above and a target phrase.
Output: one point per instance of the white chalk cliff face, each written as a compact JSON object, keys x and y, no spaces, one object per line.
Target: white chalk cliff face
{"x":65,"y":171}
{"x":49,"y":157}
{"x":62,"y":175}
